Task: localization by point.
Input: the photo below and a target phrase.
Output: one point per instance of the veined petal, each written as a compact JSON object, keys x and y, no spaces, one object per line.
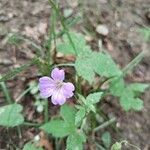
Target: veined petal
{"x":58,"y":74}
{"x":46,"y":82}
{"x":68,"y":89}
{"x":58,"y":97}
{"x":46,"y":93}
{"x":46,"y":86}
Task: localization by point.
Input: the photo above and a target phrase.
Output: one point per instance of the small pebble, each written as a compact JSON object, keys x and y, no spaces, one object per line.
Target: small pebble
{"x":102,"y":29}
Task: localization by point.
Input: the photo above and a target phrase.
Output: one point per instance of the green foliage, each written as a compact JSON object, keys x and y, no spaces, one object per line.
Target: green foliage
{"x":75,"y":141}
{"x":10,"y":115}
{"x":138,"y":87}
{"x":80,"y":115}
{"x":104,"y":65}
{"x":128,"y":93}
{"x":84,"y":65}
{"x":116,"y":146}
{"x":88,"y":63}
{"x":14,"y":38}
{"x":66,"y":47}
{"x":106,"y":138}
{"x":146,"y":33}
{"x":30,"y":146}
{"x":59,"y":127}
{"x":90,"y":100}
{"x":66,"y":127}
{"x":18,"y":70}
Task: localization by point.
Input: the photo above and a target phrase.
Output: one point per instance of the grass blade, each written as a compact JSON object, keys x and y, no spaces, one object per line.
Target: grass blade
{"x":18,"y":70}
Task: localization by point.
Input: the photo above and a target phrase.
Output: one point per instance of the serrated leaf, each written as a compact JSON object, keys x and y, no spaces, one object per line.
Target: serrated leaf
{"x":82,"y":98}
{"x":68,"y":114}
{"x":30,"y":146}
{"x":131,"y":103}
{"x":116,"y":146}
{"x":117,"y":87}
{"x":61,"y":128}
{"x":139,"y":87}
{"x":104,"y":65}
{"x":106,"y":138}
{"x":57,"y":128}
{"x":66,"y":46}
{"x":10,"y":115}
{"x":18,"y":70}
{"x":94,"y":98}
{"x":80,"y":115}
{"x":75,"y":141}
{"x":90,"y":107}
{"x":84,"y":66}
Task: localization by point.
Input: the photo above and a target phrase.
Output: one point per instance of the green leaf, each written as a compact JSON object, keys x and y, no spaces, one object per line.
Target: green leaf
{"x":128,"y":101}
{"x":117,"y":87}
{"x":106,"y":138}
{"x":80,"y":115}
{"x":61,"y":128}
{"x":146,"y":33}
{"x":75,"y":141}
{"x":138,"y":87}
{"x":116,"y":146}
{"x":30,"y":146}
{"x":104,"y":65}
{"x":68,"y":114}
{"x":94,"y":98}
{"x":18,"y":70}
{"x":84,"y":66}
{"x":57,"y":128}
{"x":66,"y":47}
{"x":10,"y":115}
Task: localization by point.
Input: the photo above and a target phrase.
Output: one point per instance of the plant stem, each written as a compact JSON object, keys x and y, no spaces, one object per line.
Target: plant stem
{"x":19,"y":132}
{"x":65,"y":65}
{"x":22,"y":94}
{"x":63,"y":24}
{"x":105,"y":124}
{"x":6,"y":92}
{"x":46,"y":111}
{"x":133,"y":63}
{"x":31,"y":124}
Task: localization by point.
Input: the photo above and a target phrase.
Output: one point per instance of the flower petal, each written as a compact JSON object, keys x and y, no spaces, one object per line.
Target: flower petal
{"x":46,"y":93}
{"x":58,"y":97}
{"x":58,"y":74}
{"x":46,"y":86}
{"x":68,"y":89}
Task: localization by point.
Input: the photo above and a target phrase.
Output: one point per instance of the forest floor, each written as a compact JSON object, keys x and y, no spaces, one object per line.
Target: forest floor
{"x":121,"y":19}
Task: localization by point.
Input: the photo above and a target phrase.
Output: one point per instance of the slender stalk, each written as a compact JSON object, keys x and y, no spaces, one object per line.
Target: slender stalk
{"x":105,"y":124}
{"x":63,"y":23}
{"x":65,"y":65}
{"x":22,"y":94}
{"x":6,"y":92}
{"x":133,"y":63}
{"x":31,"y":124}
{"x":10,"y":101}
{"x":19,"y":132}
{"x":46,"y":111}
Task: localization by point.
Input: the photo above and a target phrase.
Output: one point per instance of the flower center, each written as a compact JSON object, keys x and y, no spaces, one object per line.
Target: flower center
{"x":59,"y":84}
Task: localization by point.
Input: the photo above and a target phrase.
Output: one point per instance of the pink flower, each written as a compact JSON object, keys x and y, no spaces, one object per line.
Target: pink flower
{"x":55,"y":87}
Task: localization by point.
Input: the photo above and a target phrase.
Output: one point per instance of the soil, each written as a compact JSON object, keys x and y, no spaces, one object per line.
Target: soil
{"x":123,"y":41}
